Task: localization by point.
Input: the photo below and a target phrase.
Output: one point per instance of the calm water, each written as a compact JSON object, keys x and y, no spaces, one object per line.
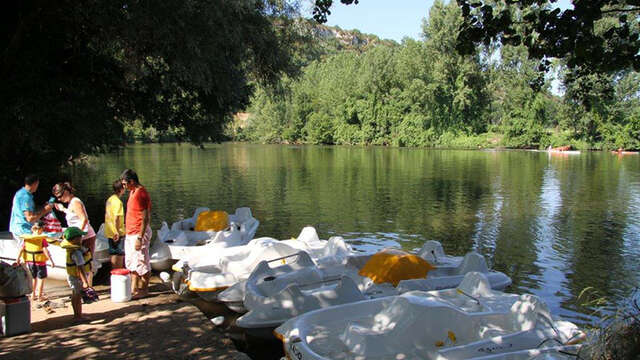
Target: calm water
{"x":555,"y":224}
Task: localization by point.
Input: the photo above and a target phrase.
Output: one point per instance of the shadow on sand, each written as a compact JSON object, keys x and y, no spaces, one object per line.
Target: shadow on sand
{"x":159,"y":327}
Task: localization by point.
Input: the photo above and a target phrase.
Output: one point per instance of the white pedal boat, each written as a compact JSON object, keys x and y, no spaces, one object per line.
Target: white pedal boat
{"x":233,"y":297}
{"x":469,"y":322}
{"x":272,"y":298}
{"x":269,"y":287}
{"x":209,"y":273}
{"x":180,"y":241}
{"x":301,"y":269}
{"x":9,"y":249}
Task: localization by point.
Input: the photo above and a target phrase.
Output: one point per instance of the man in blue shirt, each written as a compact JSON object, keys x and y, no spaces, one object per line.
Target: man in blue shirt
{"x":23,"y":211}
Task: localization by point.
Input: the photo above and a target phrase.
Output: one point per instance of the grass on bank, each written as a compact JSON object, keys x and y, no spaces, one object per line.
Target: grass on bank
{"x":618,"y":336}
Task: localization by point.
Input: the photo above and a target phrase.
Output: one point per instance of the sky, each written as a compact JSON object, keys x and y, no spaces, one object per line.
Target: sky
{"x":388,"y":19}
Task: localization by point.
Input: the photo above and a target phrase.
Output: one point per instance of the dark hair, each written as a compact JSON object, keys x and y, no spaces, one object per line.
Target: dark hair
{"x":129,"y":174}
{"x":40,"y":223}
{"x":117,"y":186}
{"x":60,"y":188}
{"x":31,"y":179}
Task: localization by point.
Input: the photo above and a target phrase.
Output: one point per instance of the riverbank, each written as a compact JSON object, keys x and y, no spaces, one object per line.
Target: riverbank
{"x":160,"y":326}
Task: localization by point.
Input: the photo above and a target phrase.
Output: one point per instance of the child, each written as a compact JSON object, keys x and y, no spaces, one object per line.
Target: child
{"x":114,"y":225}
{"x":78,"y":266}
{"x":35,"y":254}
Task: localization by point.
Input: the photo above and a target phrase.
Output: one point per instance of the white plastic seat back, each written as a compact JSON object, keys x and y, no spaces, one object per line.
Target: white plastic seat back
{"x":475,"y":284}
{"x":243,"y":214}
{"x":358,"y":260}
{"x":335,"y":251}
{"x":248,"y":228}
{"x":309,"y":236}
{"x":312,"y":295}
{"x":265,"y":280}
{"x":431,"y":251}
{"x":227,"y":238}
{"x":182,"y":225}
{"x":527,"y":311}
{"x":163,"y":232}
{"x":304,"y":260}
{"x":197,"y":213}
{"x":336,"y":246}
{"x":268,"y":282}
{"x":472,"y":262}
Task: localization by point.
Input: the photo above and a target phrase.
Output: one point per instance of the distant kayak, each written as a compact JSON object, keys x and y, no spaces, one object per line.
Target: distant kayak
{"x":568,"y":152}
{"x":562,"y":150}
{"x":554,"y":152}
{"x":625,"y":152}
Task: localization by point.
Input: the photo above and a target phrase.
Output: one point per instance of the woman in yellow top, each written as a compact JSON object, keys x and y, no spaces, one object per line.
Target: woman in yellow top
{"x":114,"y":225}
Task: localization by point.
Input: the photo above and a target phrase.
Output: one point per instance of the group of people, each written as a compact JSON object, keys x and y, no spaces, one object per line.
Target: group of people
{"x":129,"y":235}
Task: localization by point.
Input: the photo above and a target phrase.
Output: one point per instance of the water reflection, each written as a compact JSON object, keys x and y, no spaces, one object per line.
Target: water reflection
{"x":551,"y":282}
{"x":554,"y":224}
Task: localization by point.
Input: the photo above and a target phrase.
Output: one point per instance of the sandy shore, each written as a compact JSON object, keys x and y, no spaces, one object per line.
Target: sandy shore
{"x":161,"y":327}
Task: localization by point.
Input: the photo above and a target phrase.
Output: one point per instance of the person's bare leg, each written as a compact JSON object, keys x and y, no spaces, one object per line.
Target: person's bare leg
{"x":134,"y":283}
{"x":91,"y":245}
{"x":144,"y":284}
{"x":39,"y":286}
{"x":76,"y":304}
{"x":34,"y":296}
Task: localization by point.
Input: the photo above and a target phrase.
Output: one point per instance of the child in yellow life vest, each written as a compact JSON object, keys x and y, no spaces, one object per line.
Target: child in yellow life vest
{"x":78,"y":266}
{"x":35,"y":254}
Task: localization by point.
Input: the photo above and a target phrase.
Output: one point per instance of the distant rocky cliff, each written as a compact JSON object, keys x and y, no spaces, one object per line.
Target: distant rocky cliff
{"x":339,"y":39}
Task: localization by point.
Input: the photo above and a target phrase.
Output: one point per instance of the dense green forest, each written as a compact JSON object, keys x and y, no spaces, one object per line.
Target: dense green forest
{"x":424,"y":93}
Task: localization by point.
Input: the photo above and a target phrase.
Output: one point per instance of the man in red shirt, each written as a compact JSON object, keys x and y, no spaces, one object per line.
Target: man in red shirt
{"x":138,"y":230}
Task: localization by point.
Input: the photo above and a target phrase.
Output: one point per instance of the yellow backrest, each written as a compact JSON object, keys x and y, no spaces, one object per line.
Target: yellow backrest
{"x":392,"y":266}
{"x":212,"y":220}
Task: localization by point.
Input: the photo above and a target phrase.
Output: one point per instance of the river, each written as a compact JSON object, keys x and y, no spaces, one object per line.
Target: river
{"x":556,"y":224}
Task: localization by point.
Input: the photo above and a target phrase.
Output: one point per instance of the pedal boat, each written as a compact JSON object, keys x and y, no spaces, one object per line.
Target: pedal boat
{"x":208,"y":274}
{"x":180,"y":241}
{"x":469,"y":322}
{"x":274,"y":295}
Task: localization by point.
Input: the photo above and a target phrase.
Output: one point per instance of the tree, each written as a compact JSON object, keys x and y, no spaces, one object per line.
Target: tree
{"x":73,"y":73}
{"x":547,"y":31}
{"x":458,"y":83}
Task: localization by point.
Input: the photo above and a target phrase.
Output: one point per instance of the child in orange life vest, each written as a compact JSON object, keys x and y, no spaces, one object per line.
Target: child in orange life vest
{"x":78,"y":266}
{"x":35,"y":254}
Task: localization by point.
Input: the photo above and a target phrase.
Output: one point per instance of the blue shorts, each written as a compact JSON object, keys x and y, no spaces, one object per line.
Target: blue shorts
{"x":37,"y":271}
{"x":116,"y":248}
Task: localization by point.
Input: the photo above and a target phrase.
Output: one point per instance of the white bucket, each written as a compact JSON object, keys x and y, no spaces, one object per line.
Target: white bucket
{"x":120,"y":285}
{"x":15,"y":316}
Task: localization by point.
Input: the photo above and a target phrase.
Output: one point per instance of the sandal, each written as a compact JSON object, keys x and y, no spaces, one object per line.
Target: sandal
{"x":139,"y":296}
{"x":47,"y":308}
